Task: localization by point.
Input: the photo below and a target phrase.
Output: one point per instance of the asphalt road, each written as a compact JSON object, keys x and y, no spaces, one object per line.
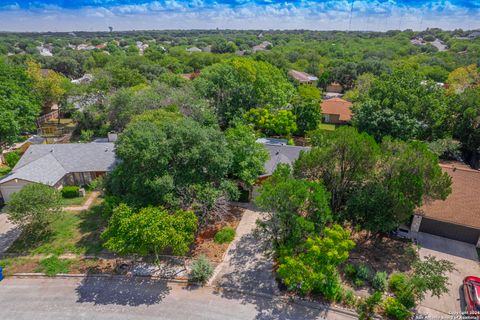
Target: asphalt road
{"x":100,"y":298}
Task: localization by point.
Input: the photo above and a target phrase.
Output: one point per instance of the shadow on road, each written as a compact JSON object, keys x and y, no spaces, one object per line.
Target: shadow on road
{"x":121,"y":291}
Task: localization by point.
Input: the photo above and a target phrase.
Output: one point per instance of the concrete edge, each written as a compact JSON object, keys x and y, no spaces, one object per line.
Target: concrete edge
{"x":94,"y":275}
{"x":294,"y":300}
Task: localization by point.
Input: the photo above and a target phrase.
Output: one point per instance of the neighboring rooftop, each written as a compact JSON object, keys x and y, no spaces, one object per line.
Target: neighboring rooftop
{"x":302,"y":77}
{"x":273,"y":141}
{"x":462,"y":206}
{"x":338,"y":106}
{"x":48,"y":163}
{"x":281,"y":154}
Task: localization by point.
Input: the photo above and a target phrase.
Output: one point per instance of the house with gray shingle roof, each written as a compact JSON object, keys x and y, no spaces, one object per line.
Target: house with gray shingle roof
{"x":59,"y":165}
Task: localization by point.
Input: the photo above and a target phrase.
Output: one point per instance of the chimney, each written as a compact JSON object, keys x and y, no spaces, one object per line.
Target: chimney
{"x":112,"y":136}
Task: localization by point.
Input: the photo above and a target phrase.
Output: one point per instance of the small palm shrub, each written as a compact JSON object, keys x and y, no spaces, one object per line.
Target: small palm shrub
{"x":379,"y":281}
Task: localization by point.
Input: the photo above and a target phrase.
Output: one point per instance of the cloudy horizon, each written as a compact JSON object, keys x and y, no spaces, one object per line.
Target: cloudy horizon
{"x":98,"y":15}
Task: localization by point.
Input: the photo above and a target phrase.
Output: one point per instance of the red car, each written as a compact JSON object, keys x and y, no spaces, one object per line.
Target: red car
{"x":471,"y":291}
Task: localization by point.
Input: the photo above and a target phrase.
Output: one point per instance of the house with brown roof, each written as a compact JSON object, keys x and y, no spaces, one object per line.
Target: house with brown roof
{"x":336,"y":111}
{"x":302,"y":77}
{"x":457,"y":217}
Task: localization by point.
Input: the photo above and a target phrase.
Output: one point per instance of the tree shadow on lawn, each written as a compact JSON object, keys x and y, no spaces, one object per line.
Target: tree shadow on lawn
{"x":121,"y":291}
{"x":250,"y":271}
{"x":91,"y":226}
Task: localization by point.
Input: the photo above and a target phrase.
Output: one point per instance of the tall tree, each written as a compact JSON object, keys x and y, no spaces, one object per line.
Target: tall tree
{"x":237,"y":85}
{"x":19,"y":104}
{"x":341,"y":159}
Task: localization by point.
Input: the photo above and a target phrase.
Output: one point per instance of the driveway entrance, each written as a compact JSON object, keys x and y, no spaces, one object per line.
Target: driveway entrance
{"x":465,"y":258}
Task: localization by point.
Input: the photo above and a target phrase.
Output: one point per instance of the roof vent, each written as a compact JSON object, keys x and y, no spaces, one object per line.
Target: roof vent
{"x":277,"y":153}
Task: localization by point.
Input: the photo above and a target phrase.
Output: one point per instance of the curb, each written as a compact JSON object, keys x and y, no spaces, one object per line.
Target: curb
{"x":294,"y":300}
{"x":95,"y":275}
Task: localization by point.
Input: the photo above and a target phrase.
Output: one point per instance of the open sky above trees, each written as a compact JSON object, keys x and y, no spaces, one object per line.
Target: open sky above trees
{"x":96,"y":15}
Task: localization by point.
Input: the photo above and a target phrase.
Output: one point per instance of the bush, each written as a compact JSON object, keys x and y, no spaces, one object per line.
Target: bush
{"x":403,"y":288}
{"x":53,"y":265}
{"x":395,"y":310}
{"x":349,"y":298}
{"x":397,"y":281}
{"x":12,"y":158}
{"x":363,"y":273}
{"x":201,"y":270}
{"x":380,"y":281}
{"x":367,"y":307}
{"x":350,"y":271}
{"x":224,"y":235}
{"x":71,"y":192}
{"x":97,"y":184}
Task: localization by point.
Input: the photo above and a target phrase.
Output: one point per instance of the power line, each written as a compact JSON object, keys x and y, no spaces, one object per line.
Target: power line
{"x":351,"y":14}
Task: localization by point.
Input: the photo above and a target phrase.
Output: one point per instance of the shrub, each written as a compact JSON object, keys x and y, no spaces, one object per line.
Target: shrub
{"x":224,"y":235}
{"x":53,"y":265}
{"x":397,"y":281}
{"x":363,"y":273}
{"x":403,"y":288}
{"x":71,"y":192}
{"x":367,"y":307}
{"x":97,"y":184}
{"x":86,"y":135}
{"x":12,"y":158}
{"x":380,"y":281}
{"x":349,"y":298}
{"x":359,"y":282}
{"x":201,"y":270}
{"x":395,"y":310}
{"x":350,"y":271}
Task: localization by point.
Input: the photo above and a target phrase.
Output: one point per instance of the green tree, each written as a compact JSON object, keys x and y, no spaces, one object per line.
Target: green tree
{"x":249,"y":157}
{"x":403,"y":105}
{"x":33,"y":207}
{"x":430,"y":275}
{"x":172,"y":161}
{"x":315,"y":268}
{"x":467,"y":127}
{"x":150,"y":230}
{"x":19,"y":104}
{"x":237,"y":85}
{"x":406,"y":175}
{"x":342,"y":160}
{"x":296,"y":207}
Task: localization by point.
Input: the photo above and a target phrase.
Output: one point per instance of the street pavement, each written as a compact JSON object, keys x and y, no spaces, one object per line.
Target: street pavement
{"x":126,"y":298}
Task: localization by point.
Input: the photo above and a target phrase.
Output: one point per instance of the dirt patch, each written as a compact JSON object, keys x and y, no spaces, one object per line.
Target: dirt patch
{"x":204,"y":243}
{"x":382,"y":253}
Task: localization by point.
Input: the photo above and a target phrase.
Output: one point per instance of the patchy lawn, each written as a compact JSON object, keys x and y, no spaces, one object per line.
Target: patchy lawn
{"x":327,"y":126}
{"x":70,"y":232}
{"x":205,"y":243}
{"x":77,"y":201}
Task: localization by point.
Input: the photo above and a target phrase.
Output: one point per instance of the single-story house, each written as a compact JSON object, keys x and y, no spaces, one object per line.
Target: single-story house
{"x":334,"y":87}
{"x":59,"y":165}
{"x":336,"y":111}
{"x":281,"y":154}
{"x":302,"y":77}
{"x":194,"y":49}
{"x":265,"y":45}
{"x":458,"y":217}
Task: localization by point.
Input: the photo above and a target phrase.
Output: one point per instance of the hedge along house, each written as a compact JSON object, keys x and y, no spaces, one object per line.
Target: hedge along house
{"x":58,"y":165}
{"x":458,"y":217}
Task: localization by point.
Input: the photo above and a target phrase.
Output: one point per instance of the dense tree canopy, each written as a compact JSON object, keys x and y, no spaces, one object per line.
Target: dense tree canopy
{"x":237,"y":85}
{"x":174,"y":161}
{"x":19,"y":104}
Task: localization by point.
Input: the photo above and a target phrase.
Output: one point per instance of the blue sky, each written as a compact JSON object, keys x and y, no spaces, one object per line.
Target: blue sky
{"x":89,"y":15}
